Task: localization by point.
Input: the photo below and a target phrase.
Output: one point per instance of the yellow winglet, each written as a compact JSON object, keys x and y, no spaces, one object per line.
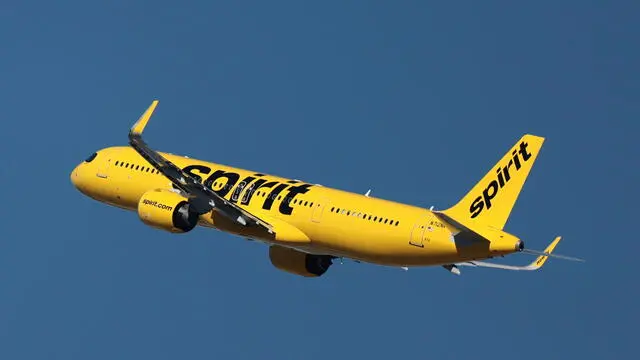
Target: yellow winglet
{"x":540,"y":260}
{"x":139,"y":126}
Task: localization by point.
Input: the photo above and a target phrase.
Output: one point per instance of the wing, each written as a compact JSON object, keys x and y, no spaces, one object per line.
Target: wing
{"x":201,"y":198}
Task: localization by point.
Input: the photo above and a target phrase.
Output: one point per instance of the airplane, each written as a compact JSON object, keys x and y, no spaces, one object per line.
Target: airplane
{"x":308,"y":226}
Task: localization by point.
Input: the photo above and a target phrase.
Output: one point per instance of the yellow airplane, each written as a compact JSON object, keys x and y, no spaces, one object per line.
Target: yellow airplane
{"x":307,"y":226}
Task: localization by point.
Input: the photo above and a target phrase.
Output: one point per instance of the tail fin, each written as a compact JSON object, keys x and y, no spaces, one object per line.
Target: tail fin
{"x":490,"y":201}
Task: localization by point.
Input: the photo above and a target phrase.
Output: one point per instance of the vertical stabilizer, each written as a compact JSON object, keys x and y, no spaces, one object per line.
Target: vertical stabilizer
{"x":490,"y":201}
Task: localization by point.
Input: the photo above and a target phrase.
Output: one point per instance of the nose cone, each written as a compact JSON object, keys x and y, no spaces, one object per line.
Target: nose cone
{"x":76,"y":178}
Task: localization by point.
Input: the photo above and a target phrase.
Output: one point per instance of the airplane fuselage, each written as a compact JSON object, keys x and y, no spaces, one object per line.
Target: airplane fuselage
{"x":311,"y":218}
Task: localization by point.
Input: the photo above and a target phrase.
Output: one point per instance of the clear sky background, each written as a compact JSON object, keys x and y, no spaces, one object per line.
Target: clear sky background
{"x":414,"y":99}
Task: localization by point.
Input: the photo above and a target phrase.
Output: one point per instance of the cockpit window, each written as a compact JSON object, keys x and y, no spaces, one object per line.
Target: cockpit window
{"x":90,"y":158}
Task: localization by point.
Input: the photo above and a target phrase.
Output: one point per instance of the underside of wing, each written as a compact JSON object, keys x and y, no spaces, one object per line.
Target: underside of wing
{"x":201,"y":198}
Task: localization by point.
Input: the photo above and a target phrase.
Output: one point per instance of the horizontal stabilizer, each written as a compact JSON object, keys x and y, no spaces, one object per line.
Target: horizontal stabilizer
{"x":534,"y":265}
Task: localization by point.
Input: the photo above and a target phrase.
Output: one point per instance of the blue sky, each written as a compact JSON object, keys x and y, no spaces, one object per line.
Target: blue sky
{"x":413,"y":99}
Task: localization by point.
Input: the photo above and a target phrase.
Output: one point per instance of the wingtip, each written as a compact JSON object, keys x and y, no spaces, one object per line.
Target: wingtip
{"x":553,"y":244}
{"x":540,"y":260}
{"x":139,"y":126}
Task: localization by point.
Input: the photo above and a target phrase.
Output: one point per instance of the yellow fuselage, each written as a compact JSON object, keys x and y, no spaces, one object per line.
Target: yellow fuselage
{"x":311,"y":218}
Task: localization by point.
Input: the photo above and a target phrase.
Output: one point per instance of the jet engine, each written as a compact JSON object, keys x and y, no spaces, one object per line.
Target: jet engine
{"x":299,"y":263}
{"x":167,"y":210}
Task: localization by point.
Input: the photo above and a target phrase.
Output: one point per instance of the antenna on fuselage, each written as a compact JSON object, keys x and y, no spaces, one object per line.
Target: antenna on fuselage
{"x":368,"y":193}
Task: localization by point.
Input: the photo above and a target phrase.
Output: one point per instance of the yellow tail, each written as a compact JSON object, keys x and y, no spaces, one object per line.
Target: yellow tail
{"x":490,"y":201}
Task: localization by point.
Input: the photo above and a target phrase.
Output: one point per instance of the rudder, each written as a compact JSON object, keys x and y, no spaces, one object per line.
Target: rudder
{"x":490,"y":201}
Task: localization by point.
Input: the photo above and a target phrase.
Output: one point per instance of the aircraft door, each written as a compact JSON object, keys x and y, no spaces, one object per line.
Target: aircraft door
{"x":422,"y":231}
{"x":318,"y":209}
{"x":416,"y":234}
{"x":102,"y":170}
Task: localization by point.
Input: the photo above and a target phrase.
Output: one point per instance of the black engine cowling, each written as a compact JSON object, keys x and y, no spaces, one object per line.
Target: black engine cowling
{"x":299,"y":263}
{"x":167,"y":210}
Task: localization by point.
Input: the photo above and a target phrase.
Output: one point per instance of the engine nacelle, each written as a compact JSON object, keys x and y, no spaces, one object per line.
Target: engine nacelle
{"x":299,"y":263}
{"x":167,"y":210}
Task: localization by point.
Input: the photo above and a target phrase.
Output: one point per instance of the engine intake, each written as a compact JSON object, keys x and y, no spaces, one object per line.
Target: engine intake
{"x":299,"y":263}
{"x":167,"y":210}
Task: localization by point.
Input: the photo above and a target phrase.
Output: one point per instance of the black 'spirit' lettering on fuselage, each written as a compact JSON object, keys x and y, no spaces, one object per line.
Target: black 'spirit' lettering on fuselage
{"x":272,"y":196}
{"x":285,"y":208}
{"x":251,"y":190}
{"x":232,"y":179}
{"x":241,"y":186}
{"x":250,"y":185}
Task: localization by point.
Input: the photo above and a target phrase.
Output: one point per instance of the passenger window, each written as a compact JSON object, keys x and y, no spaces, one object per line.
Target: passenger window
{"x":397,"y":222}
{"x":311,"y":205}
